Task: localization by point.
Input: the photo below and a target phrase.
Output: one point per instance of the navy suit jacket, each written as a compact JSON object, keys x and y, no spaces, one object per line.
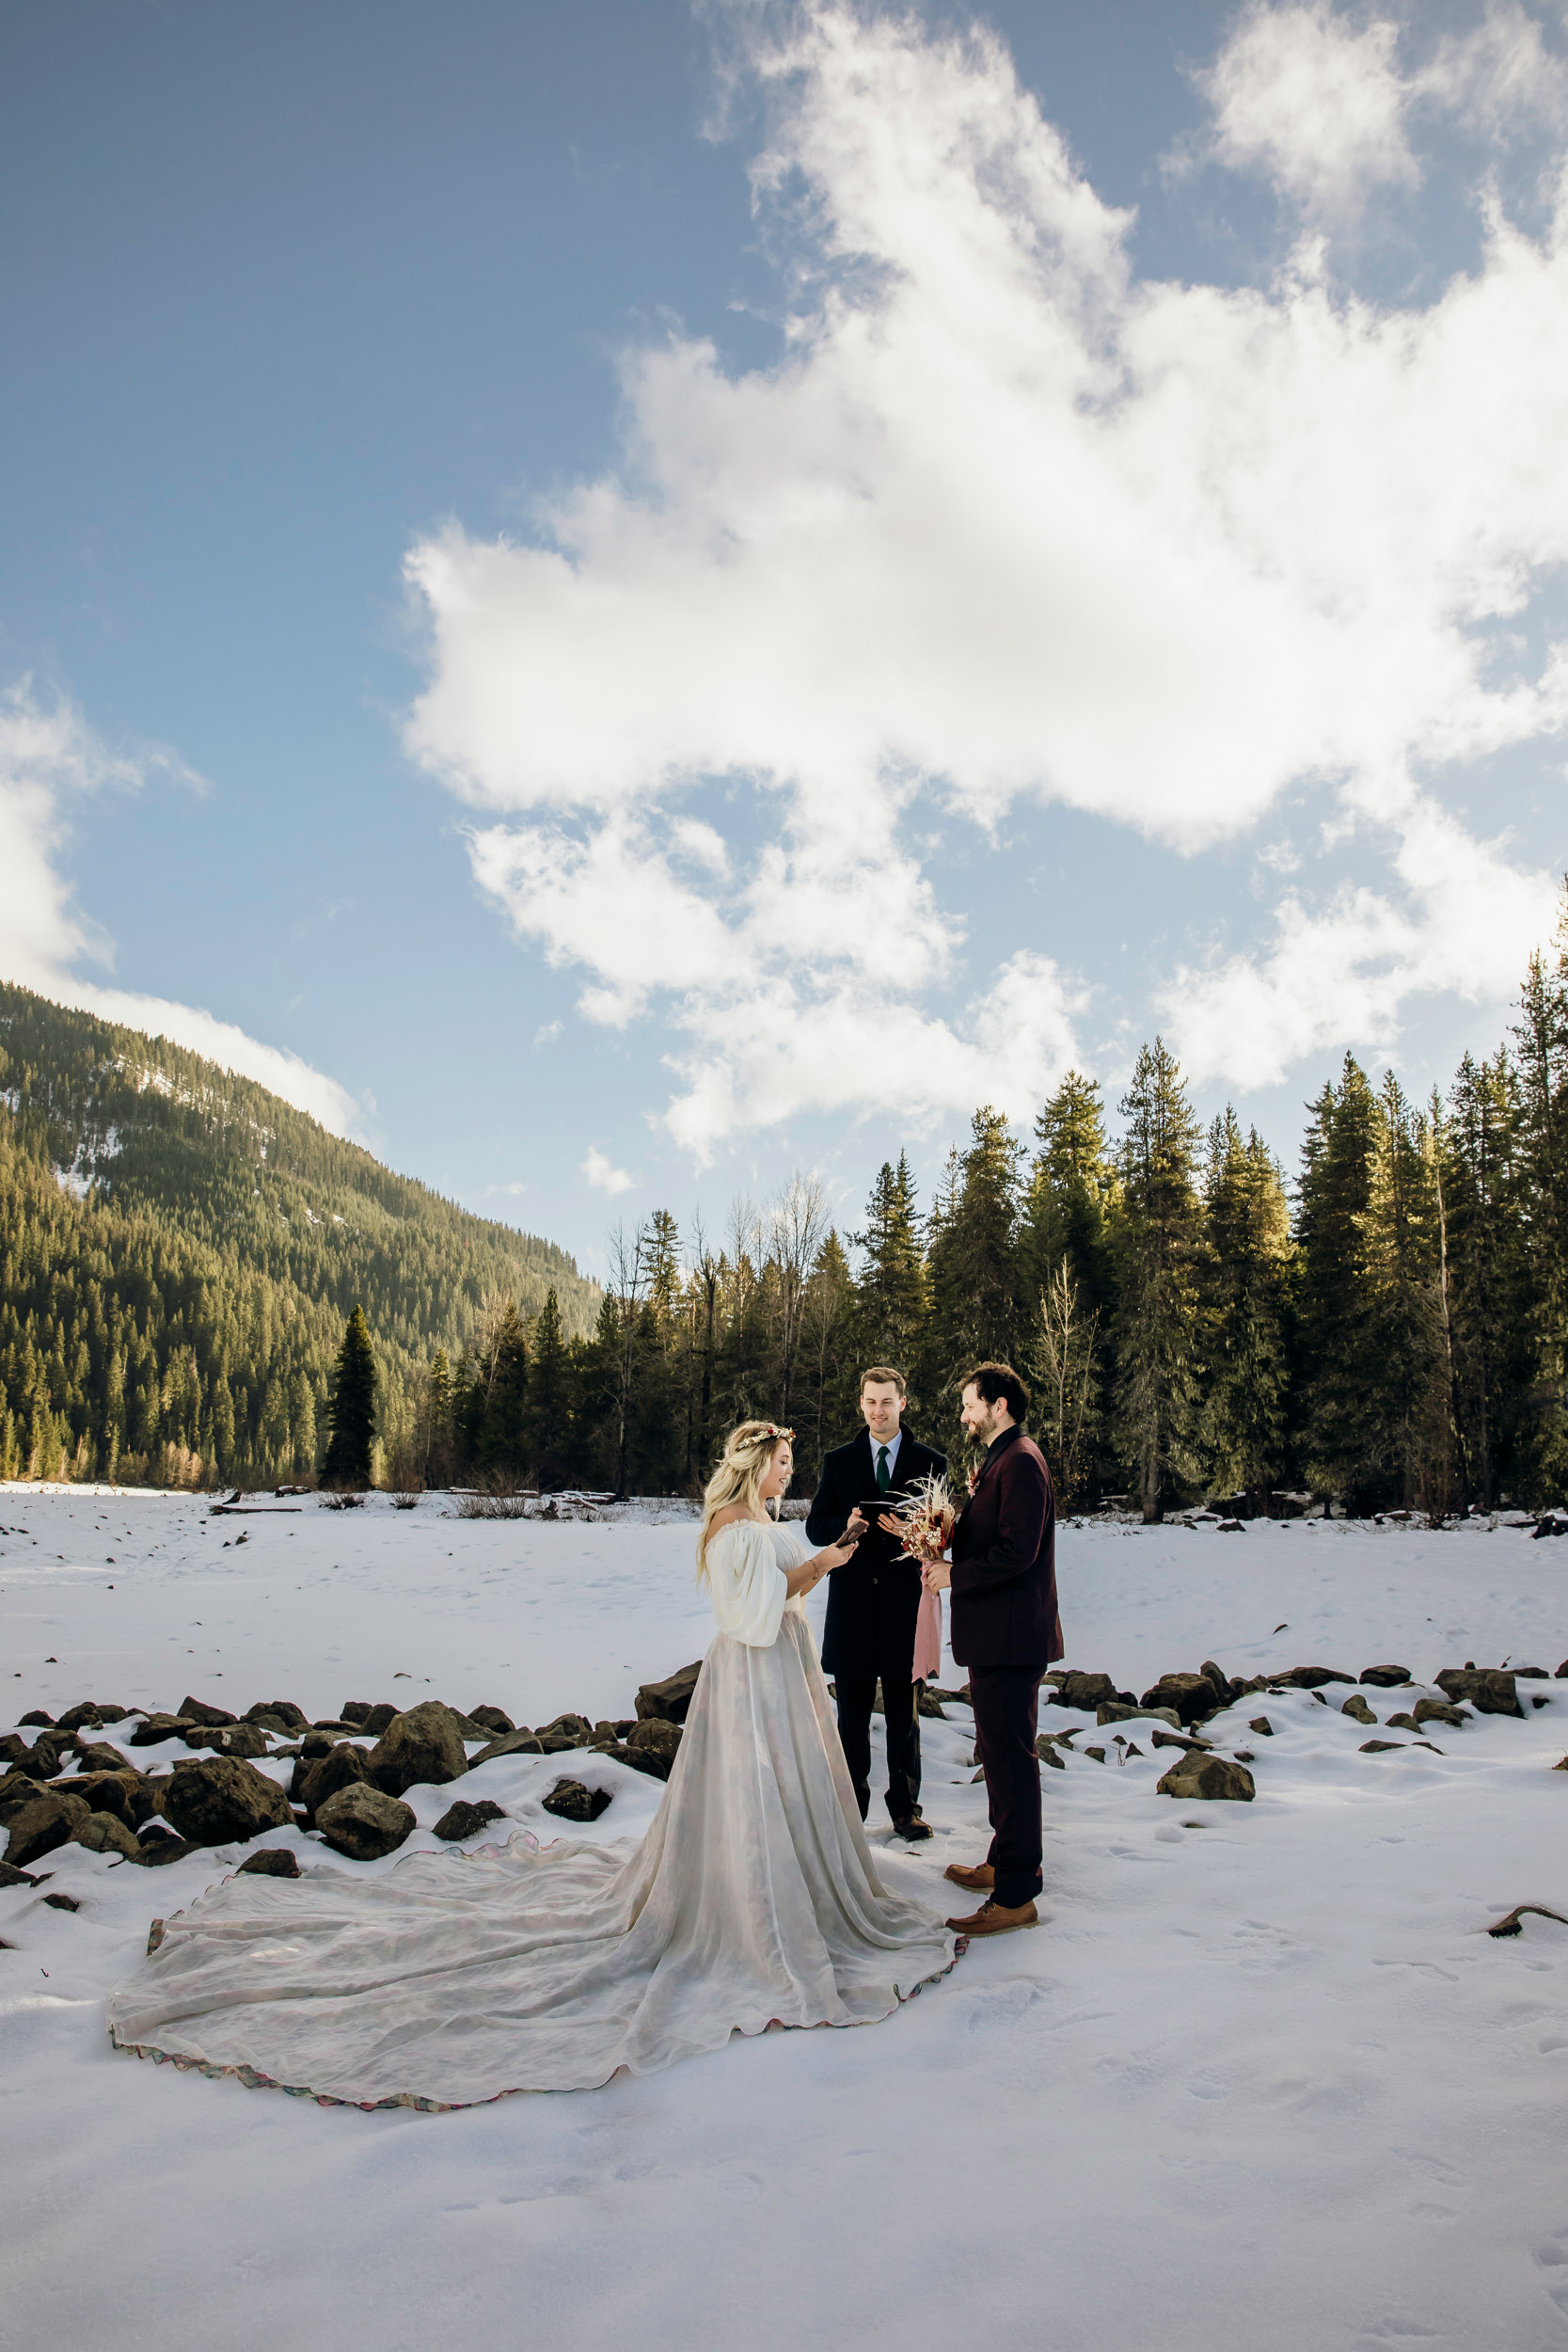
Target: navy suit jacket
{"x":1003,"y":1558}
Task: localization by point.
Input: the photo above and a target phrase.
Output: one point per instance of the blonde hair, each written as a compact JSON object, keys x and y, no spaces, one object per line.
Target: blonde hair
{"x":747,"y":1455}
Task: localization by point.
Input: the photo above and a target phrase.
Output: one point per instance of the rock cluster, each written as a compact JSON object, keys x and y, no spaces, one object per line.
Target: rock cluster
{"x":1208,"y":1777}
{"x":226,"y":1801}
{"x":102,"y":1832}
{"x":463,"y":1819}
{"x":1488,"y":1690}
{"x":569,"y":1801}
{"x":668,"y":1701}
{"x":316,"y":1779}
{"x":40,"y":1823}
{"x":62,"y":1788}
{"x":648,"y":1741}
{"x":1181,"y":1702}
{"x":1085,"y":1689}
{"x":364,"y":1822}
{"x":419,"y":1747}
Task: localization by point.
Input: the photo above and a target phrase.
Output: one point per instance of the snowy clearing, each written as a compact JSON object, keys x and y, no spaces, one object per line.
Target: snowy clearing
{"x":1260,"y":2078}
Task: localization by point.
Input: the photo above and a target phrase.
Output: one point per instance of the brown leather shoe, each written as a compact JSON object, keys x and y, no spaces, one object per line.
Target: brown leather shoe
{"x":979,"y":1877}
{"x":997,"y":1920}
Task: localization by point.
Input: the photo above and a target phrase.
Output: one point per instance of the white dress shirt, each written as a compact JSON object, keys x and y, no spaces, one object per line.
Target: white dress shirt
{"x":893,"y":1445}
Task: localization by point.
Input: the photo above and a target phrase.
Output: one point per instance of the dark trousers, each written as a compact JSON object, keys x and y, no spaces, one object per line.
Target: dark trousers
{"x":857,"y":1695}
{"x":1006,"y":1720}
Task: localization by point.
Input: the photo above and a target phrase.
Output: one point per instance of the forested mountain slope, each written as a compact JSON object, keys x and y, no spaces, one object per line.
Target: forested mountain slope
{"x":179,"y":1249}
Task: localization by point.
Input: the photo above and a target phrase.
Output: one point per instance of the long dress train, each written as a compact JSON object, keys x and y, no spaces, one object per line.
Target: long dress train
{"x":753,"y":1899}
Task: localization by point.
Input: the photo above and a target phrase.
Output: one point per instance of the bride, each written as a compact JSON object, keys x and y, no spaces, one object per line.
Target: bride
{"x":753,"y":1899}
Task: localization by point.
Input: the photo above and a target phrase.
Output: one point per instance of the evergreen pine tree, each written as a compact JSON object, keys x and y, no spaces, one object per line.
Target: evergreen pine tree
{"x":1484,"y":1247}
{"x":1069,"y":1202}
{"x":503,"y":1448}
{"x":1337,"y":1355}
{"x":661,"y":1253}
{"x":351,"y":1408}
{"x":223,"y":1427}
{"x":274,"y":1428}
{"x":550,"y":1399}
{"x":975,"y":1270}
{"x":1245,"y":1286}
{"x":601,"y":1394}
{"x":433,"y":1423}
{"x":892,"y":1295}
{"x":1410,"y":1439}
{"x":302,"y":1417}
{"x":654,"y":1428}
{"x":829,"y":1364}
{"x":1157,"y":1290}
{"x":1066,"y":1254}
{"x":1542,"y":1036}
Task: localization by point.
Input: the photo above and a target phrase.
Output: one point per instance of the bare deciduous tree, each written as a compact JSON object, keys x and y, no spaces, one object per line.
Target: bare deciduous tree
{"x":1067,"y":1360}
{"x":706,"y":1279}
{"x":628,"y":1286}
{"x":797,"y":1223}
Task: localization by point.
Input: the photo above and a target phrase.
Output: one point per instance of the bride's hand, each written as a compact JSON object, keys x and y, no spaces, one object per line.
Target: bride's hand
{"x":810,"y":1573}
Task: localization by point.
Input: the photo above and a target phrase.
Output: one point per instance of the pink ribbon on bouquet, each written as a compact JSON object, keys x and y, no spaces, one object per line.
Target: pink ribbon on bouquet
{"x":928,"y":1639}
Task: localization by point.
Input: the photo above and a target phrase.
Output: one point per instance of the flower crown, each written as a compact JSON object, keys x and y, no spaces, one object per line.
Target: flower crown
{"x":767,"y":1429}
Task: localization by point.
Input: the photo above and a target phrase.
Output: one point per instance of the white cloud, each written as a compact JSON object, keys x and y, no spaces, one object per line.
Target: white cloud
{"x":776,"y":1051}
{"x":603,"y":1175}
{"x":48,"y":756}
{"x":1314,"y":103}
{"x":1342,"y":976}
{"x":1322,"y":105}
{"x":1499,"y":80}
{"x":1003,"y":521}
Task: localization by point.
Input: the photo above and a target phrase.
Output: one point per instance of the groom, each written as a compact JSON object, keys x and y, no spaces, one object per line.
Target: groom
{"x":874,"y":1599}
{"x":1007,"y":1631}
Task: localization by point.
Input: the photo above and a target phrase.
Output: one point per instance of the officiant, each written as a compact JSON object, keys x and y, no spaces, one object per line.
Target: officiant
{"x":874,"y":1599}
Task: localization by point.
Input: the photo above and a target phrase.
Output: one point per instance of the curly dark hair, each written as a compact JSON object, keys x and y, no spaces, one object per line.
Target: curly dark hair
{"x":999,"y":1383}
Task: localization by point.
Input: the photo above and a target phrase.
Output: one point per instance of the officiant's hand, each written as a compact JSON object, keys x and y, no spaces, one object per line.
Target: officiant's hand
{"x":889,"y":1524}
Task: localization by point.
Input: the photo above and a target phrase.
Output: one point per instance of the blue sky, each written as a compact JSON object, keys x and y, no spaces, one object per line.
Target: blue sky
{"x":621,"y":601}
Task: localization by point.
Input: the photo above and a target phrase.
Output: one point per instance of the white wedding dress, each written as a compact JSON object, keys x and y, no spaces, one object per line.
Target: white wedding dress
{"x":752,"y":1900}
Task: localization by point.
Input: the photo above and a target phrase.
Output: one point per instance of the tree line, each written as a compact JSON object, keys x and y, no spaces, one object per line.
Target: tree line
{"x":1387,"y":1326}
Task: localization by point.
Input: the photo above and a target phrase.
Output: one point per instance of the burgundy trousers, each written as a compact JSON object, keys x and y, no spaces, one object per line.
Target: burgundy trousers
{"x":1006,"y":1719}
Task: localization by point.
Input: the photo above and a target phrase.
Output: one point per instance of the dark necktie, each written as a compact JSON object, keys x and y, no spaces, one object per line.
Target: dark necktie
{"x":883,"y":1481}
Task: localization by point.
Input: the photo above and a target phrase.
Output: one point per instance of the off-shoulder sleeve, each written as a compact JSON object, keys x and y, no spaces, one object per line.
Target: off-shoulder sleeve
{"x":746,"y":1583}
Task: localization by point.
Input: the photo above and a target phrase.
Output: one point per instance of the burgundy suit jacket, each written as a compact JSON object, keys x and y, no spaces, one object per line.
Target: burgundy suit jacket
{"x":1005,"y":1562}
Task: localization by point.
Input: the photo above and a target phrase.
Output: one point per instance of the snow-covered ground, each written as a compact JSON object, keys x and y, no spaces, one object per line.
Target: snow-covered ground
{"x":1260,"y":2079}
